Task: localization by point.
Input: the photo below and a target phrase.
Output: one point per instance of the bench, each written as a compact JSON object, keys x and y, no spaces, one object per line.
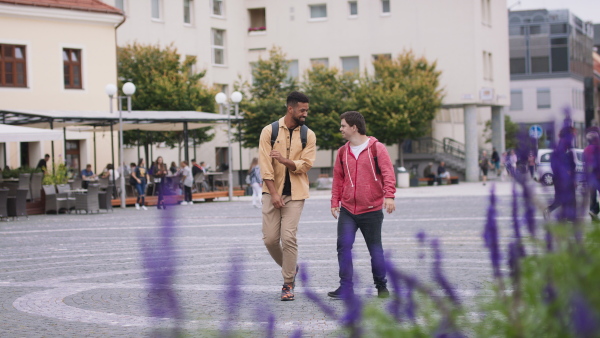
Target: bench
{"x":172,"y":199}
{"x":449,"y":180}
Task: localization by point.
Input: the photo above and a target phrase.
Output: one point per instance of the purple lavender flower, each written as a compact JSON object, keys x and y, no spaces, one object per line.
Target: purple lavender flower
{"x":232,"y":292}
{"x":549,"y":294}
{"x":446,"y":330}
{"x":439,"y":276}
{"x":490,"y":235}
{"x":297,"y":333}
{"x":583,"y":318}
{"x":396,"y":303}
{"x":264,"y":315}
{"x":421,"y":237}
{"x":328,"y":310}
{"x":516,"y":223}
{"x":353,"y":316}
{"x":529,"y":209}
{"x":160,"y":263}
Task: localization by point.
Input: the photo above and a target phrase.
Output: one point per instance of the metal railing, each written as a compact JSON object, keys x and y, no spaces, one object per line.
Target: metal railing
{"x":429,"y":145}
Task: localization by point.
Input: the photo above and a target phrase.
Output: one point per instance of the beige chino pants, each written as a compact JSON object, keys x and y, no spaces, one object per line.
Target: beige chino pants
{"x":280,"y":227}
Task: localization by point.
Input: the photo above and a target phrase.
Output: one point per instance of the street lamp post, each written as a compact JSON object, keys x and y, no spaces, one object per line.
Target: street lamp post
{"x":128,"y":90}
{"x":221,"y":99}
{"x":236,"y":98}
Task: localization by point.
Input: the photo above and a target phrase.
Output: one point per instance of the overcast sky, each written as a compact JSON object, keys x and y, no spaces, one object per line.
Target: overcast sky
{"x":587,"y":10}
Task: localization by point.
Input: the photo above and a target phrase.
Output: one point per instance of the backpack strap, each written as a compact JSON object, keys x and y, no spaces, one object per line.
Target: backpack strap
{"x":274,"y":132}
{"x":304,"y":135}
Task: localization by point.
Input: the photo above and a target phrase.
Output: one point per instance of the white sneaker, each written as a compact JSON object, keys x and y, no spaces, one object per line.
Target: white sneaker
{"x":144,"y":207}
{"x":191,"y":202}
{"x":184,"y":203}
{"x":137,"y":206}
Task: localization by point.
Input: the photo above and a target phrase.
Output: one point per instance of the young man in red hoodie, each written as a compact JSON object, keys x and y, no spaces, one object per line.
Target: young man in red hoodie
{"x":363,"y":185}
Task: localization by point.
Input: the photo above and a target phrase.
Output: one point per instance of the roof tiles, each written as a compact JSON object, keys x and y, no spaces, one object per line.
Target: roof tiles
{"x":79,"y":5}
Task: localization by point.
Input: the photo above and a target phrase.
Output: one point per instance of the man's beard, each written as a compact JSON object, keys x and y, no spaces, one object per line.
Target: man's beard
{"x":299,"y":121}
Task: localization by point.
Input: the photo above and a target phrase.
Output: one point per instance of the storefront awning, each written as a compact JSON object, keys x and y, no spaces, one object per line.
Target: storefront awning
{"x":25,"y":134}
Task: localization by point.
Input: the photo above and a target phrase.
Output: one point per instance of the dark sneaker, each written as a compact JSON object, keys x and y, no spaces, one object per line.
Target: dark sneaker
{"x":339,"y":293}
{"x":383,"y":292}
{"x":294,"y":281}
{"x":594,"y":217}
{"x":287,"y":293}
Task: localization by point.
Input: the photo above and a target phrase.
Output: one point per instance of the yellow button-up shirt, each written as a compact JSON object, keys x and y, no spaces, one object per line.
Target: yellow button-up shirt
{"x":271,"y":169}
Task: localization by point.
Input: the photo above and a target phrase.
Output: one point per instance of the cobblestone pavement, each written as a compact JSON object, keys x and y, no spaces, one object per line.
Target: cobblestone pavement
{"x":81,"y":275}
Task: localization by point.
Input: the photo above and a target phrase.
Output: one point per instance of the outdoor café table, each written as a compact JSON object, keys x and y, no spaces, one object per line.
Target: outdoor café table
{"x":211,"y":175}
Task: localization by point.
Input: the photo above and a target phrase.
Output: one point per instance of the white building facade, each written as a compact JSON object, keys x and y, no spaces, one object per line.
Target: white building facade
{"x":57,"y":57}
{"x":467,"y":38}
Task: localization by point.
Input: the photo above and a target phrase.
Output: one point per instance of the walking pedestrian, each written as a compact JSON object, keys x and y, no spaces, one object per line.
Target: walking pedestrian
{"x":591,"y":159}
{"x":531,"y":163}
{"x":484,"y":164}
{"x":159,"y":171}
{"x":363,"y":185}
{"x":255,"y":182}
{"x":287,"y":151}
{"x":563,"y":170}
{"x":496,"y":161}
{"x":141,"y":177}
{"x":188,"y":181}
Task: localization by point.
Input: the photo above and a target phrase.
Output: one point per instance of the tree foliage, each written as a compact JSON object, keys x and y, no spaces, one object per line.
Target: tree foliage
{"x":511,"y":129}
{"x":267,"y":95}
{"x":331,"y":93}
{"x":401,"y":99}
{"x":163,"y":82}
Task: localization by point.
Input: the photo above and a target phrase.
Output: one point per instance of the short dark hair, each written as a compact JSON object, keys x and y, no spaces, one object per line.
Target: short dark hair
{"x":354,"y":118}
{"x":46,"y":155}
{"x":193,"y":160}
{"x":295,"y":97}
{"x":132,"y":164}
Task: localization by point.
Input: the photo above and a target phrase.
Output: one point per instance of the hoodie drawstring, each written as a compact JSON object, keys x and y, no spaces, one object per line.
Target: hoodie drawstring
{"x":371,"y":161}
{"x":347,"y":167}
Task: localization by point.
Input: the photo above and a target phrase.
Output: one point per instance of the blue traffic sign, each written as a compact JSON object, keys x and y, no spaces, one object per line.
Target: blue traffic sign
{"x":536,"y":131}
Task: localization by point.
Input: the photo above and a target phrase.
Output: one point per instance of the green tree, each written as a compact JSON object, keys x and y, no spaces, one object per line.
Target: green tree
{"x":331,"y":93}
{"x":400,"y":100}
{"x":163,"y":82}
{"x":266,"y":96}
{"x":511,"y":130}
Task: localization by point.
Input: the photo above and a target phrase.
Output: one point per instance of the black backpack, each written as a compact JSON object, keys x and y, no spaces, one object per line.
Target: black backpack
{"x":275,"y":133}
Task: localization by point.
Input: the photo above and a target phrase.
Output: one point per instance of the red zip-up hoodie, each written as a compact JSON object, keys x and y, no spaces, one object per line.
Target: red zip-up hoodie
{"x":356,"y":183}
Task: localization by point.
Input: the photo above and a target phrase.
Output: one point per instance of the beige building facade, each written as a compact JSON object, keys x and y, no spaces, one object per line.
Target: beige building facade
{"x":61,"y":58}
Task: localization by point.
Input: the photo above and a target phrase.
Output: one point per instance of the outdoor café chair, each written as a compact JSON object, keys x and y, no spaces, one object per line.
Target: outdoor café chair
{"x":3,"y":203}
{"x":53,"y":201}
{"x":17,"y":205}
{"x":88,"y":201}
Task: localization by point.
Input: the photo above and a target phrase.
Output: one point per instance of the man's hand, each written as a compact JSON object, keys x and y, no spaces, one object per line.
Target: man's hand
{"x":335,"y":212}
{"x":277,"y":155}
{"x":277,"y":201}
{"x":389,"y":205}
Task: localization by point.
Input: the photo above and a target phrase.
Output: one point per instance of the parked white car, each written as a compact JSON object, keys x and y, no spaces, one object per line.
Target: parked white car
{"x":544,"y":171}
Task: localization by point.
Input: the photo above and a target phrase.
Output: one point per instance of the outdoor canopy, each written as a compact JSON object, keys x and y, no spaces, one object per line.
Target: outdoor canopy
{"x":26,"y":134}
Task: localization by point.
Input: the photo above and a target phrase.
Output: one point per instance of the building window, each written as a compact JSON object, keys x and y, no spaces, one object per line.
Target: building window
{"x":320,"y":61}
{"x":350,"y":64}
{"x":218,"y":46}
{"x":258,"y":20}
{"x":156,"y":9}
{"x":188,"y":11}
{"x":486,"y":12}
{"x":120,"y":4}
{"x":353,"y":8}
{"x":385,"y":6}
{"x":516,"y":99}
{"x":293,"y":69}
{"x":217,"y":8}
{"x":72,"y":68}
{"x":560,"y":54}
{"x":517,"y":65}
{"x":543,"y":98}
{"x":13,"y":68}
{"x":540,"y":64}
{"x":318,"y":11}
{"x":382,"y":56}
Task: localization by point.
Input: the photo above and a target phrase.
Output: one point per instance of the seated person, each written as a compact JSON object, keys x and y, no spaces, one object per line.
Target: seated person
{"x":86,"y":176}
{"x":428,"y":173}
{"x":442,"y":173}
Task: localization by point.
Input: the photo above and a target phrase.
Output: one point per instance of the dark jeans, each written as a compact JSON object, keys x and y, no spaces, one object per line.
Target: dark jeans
{"x":594,"y":207}
{"x":187,"y":192}
{"x":159,"y":190}
{"x":370,"y":226}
